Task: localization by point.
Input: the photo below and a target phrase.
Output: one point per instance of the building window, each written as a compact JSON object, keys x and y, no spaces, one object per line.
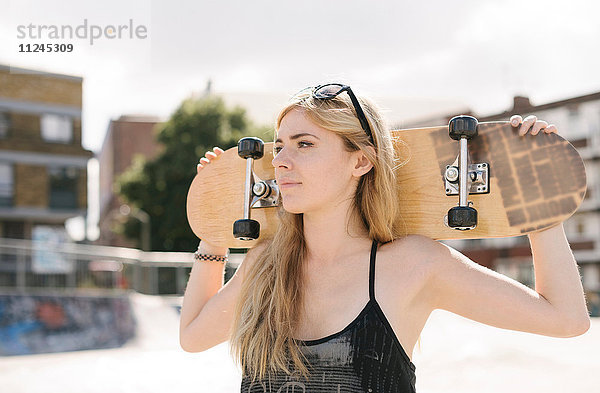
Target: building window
{"x":13,"y":230}
{"x":6,"y":184}
{"x":527,"y":274}
{"x":4,"y":125}
{"x":57,"y":128}
{"x":63,"y":187}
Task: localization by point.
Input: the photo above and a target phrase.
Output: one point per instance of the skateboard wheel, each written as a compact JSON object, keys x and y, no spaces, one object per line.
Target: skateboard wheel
{"x":460,"y":126}
{"x":462,"y":217}
{"x":246,"y":229}
{"x":251,"y":147}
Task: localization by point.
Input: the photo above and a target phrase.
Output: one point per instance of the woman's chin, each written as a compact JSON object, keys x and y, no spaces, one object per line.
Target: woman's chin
{"x":291,"y":208}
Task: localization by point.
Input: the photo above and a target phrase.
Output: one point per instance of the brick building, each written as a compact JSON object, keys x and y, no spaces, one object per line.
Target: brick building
{"x":125,"y":138}
{"x":43,"y":166}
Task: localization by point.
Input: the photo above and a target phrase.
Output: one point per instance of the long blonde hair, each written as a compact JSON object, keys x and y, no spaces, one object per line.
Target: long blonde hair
{"x":270,"y":300}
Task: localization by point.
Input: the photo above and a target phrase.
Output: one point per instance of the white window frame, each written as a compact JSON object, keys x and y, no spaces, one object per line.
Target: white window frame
{"x":56,"y":128}
{"x":6,"y":179}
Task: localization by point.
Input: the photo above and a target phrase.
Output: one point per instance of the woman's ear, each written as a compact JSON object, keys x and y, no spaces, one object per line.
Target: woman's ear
{"x":362,"y":164}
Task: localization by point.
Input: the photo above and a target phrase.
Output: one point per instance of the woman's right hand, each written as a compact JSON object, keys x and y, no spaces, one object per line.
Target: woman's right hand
{"x":205,"y":247}
{"x":208,"y":157}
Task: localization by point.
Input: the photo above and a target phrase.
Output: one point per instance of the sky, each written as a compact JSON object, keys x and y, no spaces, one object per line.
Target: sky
{"x":412,"y":56}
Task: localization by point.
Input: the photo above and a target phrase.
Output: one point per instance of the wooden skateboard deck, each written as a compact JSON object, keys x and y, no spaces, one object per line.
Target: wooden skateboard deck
{"x":535,"y":182}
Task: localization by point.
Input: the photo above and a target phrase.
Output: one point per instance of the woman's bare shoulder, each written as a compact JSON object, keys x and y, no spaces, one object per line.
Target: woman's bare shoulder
{"x":407,"y":270}
{"x":410,"y":242}
{"x":418,"y":250}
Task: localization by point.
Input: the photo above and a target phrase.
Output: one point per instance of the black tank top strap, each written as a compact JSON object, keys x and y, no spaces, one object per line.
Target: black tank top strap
{"x":372,"y":271}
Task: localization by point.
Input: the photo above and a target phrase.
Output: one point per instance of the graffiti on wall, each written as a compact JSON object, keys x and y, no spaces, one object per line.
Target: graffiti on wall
{"x":31,"y":324}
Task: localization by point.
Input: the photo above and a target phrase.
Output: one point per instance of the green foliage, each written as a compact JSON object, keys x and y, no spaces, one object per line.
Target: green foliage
{"x":160,"y":186}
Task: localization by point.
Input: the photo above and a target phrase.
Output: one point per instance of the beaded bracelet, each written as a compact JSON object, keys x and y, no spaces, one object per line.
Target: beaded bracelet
{"x":210,"y":258}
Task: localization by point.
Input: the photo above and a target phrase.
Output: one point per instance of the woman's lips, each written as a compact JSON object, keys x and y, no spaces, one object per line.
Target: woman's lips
{"x":288,"y":185}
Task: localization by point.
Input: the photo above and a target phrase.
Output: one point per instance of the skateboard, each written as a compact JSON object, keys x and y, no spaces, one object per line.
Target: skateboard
{"x":466,"y":180}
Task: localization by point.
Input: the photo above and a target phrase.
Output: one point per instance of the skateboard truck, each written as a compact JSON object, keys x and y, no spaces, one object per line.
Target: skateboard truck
{"x":478,"y":178}
{"x":471,"y":178}
{"x":257,"y":193}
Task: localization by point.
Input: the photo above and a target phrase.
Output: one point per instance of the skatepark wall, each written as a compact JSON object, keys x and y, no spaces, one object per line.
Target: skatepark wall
{"x":45,"y":323}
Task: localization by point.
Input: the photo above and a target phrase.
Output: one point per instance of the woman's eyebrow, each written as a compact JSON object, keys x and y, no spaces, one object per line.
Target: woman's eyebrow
{"x":296,"y":136}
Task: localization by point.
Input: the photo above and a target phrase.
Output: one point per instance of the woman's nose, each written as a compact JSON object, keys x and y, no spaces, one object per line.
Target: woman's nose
{"x":281,"y":159}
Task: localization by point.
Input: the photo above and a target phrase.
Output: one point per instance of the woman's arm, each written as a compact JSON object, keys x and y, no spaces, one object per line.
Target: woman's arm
{"x":557,"y":276}
{"x":556,"y":308}
{"x":205,"y":281}
{"x":207,"y":312}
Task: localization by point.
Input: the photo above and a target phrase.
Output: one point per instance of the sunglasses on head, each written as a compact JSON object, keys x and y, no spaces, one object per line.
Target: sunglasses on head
{"x":332,"y":90}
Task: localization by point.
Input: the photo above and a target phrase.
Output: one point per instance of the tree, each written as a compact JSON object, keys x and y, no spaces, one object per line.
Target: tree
{"x":160,"y":186}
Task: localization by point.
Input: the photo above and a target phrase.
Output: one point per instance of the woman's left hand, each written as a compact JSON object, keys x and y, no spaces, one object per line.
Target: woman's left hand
{"x":530,"y":121}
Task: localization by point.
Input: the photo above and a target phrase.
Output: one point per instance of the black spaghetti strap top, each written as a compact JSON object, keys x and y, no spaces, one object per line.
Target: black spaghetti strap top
{"x":365,"y":356}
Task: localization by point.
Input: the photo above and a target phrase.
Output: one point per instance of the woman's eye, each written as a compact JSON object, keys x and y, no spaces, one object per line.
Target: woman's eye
{"x":277,"y":149}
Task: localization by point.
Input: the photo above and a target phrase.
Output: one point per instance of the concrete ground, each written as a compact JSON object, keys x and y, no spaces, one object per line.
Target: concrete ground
{"x":457,"y":355}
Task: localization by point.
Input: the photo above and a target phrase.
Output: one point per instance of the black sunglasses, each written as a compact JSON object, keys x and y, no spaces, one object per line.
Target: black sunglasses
{"x":332,"y":90}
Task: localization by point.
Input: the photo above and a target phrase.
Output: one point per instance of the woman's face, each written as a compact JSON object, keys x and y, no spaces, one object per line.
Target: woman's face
{"x":312,"y":168}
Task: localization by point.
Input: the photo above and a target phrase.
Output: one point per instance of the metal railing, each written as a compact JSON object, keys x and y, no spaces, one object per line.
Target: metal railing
{"x":32,"y":266}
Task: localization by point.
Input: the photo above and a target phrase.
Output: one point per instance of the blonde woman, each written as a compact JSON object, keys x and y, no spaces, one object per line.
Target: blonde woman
{"x":336,"y":300}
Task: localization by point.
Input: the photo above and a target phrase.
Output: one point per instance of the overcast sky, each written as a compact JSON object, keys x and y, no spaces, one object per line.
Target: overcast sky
{"x":474,"y":54}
